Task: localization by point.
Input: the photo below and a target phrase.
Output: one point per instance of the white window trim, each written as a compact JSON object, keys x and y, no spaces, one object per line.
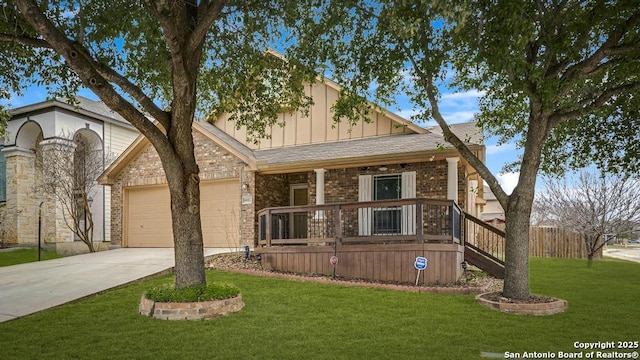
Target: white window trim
{"x":407,"y":191}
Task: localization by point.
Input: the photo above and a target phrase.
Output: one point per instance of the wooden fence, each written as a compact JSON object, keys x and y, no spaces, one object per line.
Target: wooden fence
{"x":557,"y":243}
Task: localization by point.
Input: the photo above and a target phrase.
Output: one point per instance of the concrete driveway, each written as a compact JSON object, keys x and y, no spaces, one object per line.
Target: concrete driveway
{"x":32,"y":287}
{"x":631,"y":253}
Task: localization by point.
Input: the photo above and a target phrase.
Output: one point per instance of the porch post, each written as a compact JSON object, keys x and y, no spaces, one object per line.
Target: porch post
{"x":320,"y":191}
{"x":452,"y":179}
{"x":320,"y":186}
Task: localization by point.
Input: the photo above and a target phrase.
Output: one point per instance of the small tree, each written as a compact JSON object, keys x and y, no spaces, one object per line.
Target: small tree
{"x":67,"y":175}
{"x":593,"y":206}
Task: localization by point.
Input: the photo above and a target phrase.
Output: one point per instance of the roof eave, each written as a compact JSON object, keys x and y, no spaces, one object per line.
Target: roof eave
{"x":62,"y":105}
{"x":383,"y":159}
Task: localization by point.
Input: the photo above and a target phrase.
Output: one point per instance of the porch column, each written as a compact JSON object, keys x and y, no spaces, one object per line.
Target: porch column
{"x":452,"y":179}
{"x":320,"y":191}
{"x":320,"y":186}
{"x":20,"y":221}
{"x":58,"y":159}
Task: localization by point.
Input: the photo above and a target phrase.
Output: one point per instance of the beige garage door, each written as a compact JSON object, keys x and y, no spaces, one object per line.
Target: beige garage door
{"x":148,"y":216}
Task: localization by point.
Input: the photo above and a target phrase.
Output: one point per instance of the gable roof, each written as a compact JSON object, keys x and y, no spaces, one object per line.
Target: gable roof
{"x":398,"y":148}
{"x":141,"y":142}
{"x":94,"y":109}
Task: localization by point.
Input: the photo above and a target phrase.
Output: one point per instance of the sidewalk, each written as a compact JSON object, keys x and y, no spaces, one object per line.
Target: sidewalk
{"x":32,"y":287}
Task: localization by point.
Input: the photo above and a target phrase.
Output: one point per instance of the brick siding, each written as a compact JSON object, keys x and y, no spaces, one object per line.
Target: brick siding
{"x":215,"y":163}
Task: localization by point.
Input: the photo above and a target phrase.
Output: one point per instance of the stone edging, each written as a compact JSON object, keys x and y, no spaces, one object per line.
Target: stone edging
{"x":327,"y":280}
{"x":556,"y":306}
{"x":191,"y":310}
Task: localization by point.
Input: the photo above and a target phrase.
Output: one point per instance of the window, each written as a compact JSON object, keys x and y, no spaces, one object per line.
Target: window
{"x":3,"y":177}
{"x":387,"y":220}
{"x":387,"y":187}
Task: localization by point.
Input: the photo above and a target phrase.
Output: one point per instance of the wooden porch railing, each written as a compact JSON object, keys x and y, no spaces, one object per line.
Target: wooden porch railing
{"x":484,"y":245}
{"x":375,"y":222}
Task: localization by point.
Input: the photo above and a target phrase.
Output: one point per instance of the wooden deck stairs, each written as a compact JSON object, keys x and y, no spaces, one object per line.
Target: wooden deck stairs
{"x":484,"y":246}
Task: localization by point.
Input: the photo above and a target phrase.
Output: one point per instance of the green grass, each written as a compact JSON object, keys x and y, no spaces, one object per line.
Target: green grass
{"x":211,"y":291}
{"x":21,"y":256}
{"x":285,"y":319}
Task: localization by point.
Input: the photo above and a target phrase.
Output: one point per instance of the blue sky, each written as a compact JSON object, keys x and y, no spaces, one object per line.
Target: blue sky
{"x":455,"y":107}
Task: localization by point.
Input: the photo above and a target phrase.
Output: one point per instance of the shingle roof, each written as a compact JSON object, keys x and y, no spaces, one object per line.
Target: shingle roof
{"x":468,"y":132}
{"x":88,"y":107}
{"x":97,"y":107}
{"x":346,"y":149}
{"x":228,"y":139}
{"x":382,"y":145}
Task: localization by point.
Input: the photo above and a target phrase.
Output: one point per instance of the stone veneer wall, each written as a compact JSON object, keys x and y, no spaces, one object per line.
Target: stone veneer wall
{"x":21,"y":218}
{"x":215,"y":164}
{"x":3,"y":225}
{"x":24,"y":195}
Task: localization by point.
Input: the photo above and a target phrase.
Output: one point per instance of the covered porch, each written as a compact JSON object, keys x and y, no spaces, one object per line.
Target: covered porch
{"x":373,"y":240}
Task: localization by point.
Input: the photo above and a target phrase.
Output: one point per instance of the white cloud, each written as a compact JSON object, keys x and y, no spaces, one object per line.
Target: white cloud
{"x":467,"y":95}
{"x":508,"y":181}
{"x":497,"y":149}
{"x":457,"y":117}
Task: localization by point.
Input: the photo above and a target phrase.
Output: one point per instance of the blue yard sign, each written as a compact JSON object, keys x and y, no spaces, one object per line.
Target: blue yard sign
{"x":420,"y":264}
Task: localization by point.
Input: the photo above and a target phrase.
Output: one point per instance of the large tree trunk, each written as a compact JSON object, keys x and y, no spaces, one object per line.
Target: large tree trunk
{"x":516,"y":279}
{"x":182,"y":174}
{"x":518,"y":209}
{"x":181,"y":171}
{"x":187,"y":229}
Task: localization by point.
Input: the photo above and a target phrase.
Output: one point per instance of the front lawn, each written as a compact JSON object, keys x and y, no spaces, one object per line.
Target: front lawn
{"x":20,"y":256}
{"x":285,"y":319}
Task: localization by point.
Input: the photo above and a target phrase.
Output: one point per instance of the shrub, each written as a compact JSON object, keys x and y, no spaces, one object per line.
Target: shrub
{"x":215,"y":291}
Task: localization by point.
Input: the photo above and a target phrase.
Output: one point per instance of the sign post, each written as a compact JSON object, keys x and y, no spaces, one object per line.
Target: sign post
{"x":334,"y":261}
{"x":420,"y":264}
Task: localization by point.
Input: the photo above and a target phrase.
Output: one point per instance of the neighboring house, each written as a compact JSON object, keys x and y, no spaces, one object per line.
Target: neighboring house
{"x":32,"y":131}
{"x":310,"y":160}
{"x":492,"y":212}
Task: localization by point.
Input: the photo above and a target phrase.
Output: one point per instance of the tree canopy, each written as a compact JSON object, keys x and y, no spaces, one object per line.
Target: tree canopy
{"x":158,"y":63}
{"x":558,"y":77}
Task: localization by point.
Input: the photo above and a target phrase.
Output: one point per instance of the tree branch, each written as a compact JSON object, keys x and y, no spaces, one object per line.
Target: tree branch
{"x":171,"y":17}
{"x":86,"y":69}
{"x":207,"y":14}
{"x":136,"y":93}
{"x":589,"y":105}
{"x":28,"y":41}
{"x":589,"y":64}
{"x":451,"y":138}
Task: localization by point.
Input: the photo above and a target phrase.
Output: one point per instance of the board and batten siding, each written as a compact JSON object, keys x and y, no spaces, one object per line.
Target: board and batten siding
{"x":317,"y":127}
{"x":116,"y":140}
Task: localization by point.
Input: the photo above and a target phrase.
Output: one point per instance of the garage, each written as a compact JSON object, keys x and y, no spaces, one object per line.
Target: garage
{"x":148,"y":216}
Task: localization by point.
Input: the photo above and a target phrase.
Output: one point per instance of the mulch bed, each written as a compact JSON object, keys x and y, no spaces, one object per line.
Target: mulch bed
{"x":235,"y":262}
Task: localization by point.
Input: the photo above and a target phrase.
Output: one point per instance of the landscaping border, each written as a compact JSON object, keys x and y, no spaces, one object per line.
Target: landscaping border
{"x":190,"y":310}
{"x":555,"y":306}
